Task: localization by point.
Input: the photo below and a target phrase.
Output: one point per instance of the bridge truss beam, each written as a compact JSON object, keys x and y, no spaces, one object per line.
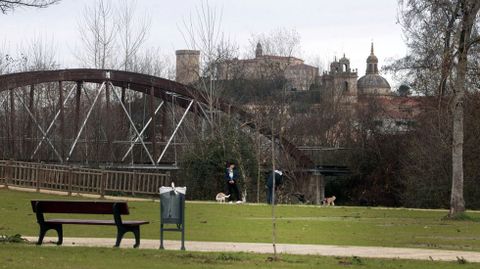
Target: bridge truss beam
{"x":104,"y":134}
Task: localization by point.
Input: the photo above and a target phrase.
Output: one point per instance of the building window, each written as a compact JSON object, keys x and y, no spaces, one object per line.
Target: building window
{"x":345,"y":86}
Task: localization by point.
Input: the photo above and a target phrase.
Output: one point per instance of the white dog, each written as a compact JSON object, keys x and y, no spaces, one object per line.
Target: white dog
{"x":221,"y":197}
{"x":329,"y":201}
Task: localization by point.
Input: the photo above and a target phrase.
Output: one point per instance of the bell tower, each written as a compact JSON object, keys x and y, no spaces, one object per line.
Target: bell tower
{"x":372,"y":63}
{"x":344,"y":78}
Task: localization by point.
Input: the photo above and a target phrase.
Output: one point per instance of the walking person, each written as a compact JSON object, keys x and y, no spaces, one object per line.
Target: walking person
{"x":231,"y":179}
{"x":278,"y":181}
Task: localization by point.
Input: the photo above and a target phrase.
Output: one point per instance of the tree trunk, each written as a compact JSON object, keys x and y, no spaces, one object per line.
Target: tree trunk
{"x":457,"y":203}
{"x":469,"y":10}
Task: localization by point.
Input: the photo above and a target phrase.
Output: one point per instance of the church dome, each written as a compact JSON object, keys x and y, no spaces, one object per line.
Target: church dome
{"x":372,"y":82}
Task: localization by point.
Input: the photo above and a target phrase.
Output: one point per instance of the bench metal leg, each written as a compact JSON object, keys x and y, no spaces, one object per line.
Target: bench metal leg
{"x":46,"y":227}
{"x":59,"y":230}
{"x":43,"y":231}
{"x":136,"y":232}
{"x":121,"y":230}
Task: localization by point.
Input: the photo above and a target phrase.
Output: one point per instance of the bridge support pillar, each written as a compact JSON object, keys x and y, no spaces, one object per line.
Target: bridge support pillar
{"x":319,"y":188}
{"x":28,"y":145}
{"x":62,"y":119}
{"x":77,"y":106}
{"x":108,"y":123}
{"x":153,"y":133}
{"x":13,"y":137}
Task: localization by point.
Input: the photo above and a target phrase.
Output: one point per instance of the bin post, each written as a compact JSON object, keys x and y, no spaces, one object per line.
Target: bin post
{"x":161,"y":236}
{"x":183,"y":221}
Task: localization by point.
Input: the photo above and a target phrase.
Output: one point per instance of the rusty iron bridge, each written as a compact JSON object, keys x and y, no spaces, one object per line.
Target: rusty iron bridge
{"x":110,"y":119}
{"x":84,"y":116}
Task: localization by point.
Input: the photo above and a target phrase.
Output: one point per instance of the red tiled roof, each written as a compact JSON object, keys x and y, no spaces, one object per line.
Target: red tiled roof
{"x":396,"y":107}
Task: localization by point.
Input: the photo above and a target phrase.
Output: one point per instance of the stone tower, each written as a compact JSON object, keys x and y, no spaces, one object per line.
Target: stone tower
{"x":188,"y":66}
{"x":258,"y":50}
{"x":344,"y":78}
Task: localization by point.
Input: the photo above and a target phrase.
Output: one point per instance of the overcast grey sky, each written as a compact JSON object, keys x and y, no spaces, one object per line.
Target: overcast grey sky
{"x":327,"y":28}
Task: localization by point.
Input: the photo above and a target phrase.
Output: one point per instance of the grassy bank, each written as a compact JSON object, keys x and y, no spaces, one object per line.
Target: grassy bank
{"x":19,"y":256}
{"x":250,"y":223}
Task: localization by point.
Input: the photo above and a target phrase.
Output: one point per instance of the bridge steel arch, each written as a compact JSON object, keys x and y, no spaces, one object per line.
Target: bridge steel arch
{"x":158,"y":87}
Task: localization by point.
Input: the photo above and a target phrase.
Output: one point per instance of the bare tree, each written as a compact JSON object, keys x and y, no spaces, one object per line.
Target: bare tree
{"x":441,"y":35}
{"x":317,"y":61}
{"x":7,"y":6}
{"x":35,"y":54}
{"x":280,"y":42}
{"x":98,"y":31}
{"x":6,"y":60}
{"x":202,"y":31}
{"x":469,"y":12}
{"x":151,"y":61}
{"x":132,"y":32}
{"x":38,"y":54}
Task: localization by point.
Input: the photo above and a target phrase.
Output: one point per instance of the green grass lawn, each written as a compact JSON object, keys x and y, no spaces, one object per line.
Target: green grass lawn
{"x":251,"y":223}
{"x":22,"y":256}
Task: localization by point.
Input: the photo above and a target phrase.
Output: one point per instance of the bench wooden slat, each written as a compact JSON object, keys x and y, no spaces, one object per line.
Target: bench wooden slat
{"x":80,"y":207}
{"x":94,"y":222}
{"x":81,"y":221}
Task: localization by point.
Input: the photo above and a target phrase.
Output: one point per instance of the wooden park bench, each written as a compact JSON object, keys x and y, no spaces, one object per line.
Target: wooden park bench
{"x":85,"y":207}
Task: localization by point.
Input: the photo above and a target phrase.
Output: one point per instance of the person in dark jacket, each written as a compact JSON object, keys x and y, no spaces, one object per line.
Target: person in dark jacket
{"x":278,"y":181}
{"x":231,"y":179}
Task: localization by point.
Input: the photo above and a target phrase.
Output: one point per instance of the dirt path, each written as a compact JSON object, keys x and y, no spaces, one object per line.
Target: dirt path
{"x":324,"y":250}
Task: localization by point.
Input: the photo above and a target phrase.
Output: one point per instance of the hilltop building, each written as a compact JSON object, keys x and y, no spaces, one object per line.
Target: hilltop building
{"x":340,"y":82}
{"x":299,"y":75}
{"x":341,"y":79}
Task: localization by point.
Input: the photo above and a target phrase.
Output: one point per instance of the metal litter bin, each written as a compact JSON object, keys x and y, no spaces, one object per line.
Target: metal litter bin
{"x":172,"y":211}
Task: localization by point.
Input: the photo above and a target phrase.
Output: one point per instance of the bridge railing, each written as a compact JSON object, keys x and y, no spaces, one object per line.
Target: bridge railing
{"x":80,"y":180}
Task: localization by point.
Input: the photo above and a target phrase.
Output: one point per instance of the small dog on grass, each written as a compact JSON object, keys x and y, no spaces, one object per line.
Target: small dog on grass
{"x":221,"y":197}
{"x":327,"y":201}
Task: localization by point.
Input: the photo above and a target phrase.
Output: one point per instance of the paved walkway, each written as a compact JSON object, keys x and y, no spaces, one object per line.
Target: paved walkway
{"x":324,"y":250}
